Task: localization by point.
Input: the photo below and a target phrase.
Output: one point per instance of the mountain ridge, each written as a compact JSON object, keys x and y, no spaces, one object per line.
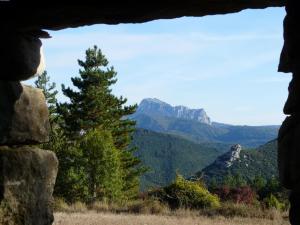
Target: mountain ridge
{"x":155,"y":106}
{"x":158,"y":116}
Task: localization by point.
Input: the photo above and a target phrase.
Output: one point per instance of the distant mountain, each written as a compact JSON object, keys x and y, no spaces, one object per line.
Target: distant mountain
{"x":156,"y":107}
{"x":195,"y":125}
{"x":247,"y":163}
{"x":165,"y":154}
{"x":227,"y":159}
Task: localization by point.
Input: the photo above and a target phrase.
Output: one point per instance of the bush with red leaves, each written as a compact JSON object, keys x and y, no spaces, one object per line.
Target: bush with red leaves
{"x":243,"y":194}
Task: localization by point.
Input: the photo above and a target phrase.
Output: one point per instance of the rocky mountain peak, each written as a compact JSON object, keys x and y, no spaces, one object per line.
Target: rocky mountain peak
{"x":227,"y":159}
{"x":154,"y":106}
{"x":152,"y":100}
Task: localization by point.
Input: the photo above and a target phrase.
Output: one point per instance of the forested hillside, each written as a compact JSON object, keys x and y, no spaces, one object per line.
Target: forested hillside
{"x":260,"y":162}
{"x":164,"y":154}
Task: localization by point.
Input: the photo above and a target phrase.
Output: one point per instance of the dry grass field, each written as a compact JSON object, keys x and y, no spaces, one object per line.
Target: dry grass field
{"x":94,"y":218}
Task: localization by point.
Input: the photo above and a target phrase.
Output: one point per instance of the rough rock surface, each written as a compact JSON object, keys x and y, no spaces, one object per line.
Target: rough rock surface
{"x":288,"y":148}
{"x":227,"y":159}
{"x":62,"y":14}
{"x":24,"y":117}
{"x":27,"y":178}
{"x":288,"y":152}
{"x":289,"y":134}
{"x":20,"y":55}
{"x":290,"y":57}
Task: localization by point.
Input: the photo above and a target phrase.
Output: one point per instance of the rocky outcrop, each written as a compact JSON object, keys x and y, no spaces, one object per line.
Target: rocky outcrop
{"x":232,"y":155}
{"x":226,"y":160}
{"x":153,"y":106}
{"x":246,"y":164}
{"x":27,"y":178}
{"x":24,"y":117}
{"x":221,"y":166}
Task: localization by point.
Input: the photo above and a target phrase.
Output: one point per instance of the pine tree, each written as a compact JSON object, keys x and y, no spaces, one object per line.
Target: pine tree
{"x":71,"y":178}
{"x":102,"y":166}
{"x":43,"y":82}
{"x":258,"y":183}
{"x":93,"y":106}
{"x":69,"y":182}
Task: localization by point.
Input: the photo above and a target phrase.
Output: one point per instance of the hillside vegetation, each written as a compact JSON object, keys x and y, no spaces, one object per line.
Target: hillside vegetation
{"x":164,"y":154}
{"x":260,"y":162}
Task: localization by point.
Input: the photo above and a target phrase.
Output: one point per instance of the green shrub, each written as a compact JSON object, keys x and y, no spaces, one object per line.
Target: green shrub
{"x":231,"y":209}
{"x":149,"y":206}
{"x":100,"y":206}
{"x":187,"y":194}
{"x":105,"y":206}
{"x":60,"y":205}
{"x":78,"y":207}
{"x":272,"y":202}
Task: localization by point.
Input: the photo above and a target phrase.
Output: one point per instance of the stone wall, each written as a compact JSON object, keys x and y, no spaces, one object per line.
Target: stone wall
{"x":22,"y":25}
{"x":27,"y":174}
{"x":289,"y":134}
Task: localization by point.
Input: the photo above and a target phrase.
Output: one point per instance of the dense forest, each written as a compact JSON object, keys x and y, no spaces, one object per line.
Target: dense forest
{"x":166,"y":154}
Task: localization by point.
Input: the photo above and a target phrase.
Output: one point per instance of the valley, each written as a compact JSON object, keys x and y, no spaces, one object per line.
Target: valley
{"x":180,"y":140}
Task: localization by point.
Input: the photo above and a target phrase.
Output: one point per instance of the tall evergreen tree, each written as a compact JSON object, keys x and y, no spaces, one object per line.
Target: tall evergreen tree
{"x":93,"y":106}
{"x":43,"y":82}
{"x":102,"y":166}
{"x":71,"y":178}
{"x":69,"y":182}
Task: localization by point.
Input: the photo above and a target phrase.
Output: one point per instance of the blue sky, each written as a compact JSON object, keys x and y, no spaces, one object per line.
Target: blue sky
{"x":226,"y":64}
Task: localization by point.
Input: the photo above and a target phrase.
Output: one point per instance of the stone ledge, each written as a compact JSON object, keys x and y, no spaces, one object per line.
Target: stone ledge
{"x":27,"y":178}
{"x":24,"y":116}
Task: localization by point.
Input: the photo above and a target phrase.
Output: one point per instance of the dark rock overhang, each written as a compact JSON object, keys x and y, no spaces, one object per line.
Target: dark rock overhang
{"x":54,"y":15}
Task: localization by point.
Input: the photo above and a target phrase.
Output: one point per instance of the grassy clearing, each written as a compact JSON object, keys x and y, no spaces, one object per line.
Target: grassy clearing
{"x":152,"y":212}
{"x":94,"y":218}
{"x":152,"y":206}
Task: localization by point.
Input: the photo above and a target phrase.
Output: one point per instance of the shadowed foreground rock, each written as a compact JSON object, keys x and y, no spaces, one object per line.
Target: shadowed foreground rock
{"x":24,"y":117}
{"x":27,"y":174}
{"x":289,"y":134}
{"x":21,"y":55}
{"x":21,"y":27}
{"x":27,"y":178}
